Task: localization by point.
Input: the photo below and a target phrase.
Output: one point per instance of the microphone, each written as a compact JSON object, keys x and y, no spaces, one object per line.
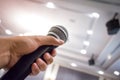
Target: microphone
{"x":23,"y":67}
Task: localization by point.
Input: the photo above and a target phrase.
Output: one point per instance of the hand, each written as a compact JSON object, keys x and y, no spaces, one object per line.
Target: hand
{"x":23,"y":45}
{"x":40,"y":65}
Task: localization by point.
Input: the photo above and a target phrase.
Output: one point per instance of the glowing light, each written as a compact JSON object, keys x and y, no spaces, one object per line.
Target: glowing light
{"x":0,"y":20}
{"x":116,"y":73}
{"x":87,"y":43}
{"x":50,"y":5}
{"x":100,"y":72}
{"x":8,"y":32}
{"x":73,"y":65}
{"x":94,"y":15}
{"x":2,"y":72}
{"x":109,"y":56}
{"x":21,"y":35}
{"x":89,"y":32}
{"x":83,"y":51}
{"x":32,"y":22}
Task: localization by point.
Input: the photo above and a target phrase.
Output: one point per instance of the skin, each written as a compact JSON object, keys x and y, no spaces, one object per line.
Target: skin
{"x":13,"y":48}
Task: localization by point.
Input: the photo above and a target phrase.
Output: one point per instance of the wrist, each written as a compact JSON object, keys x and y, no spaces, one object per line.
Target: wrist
{"x":4,"y":52}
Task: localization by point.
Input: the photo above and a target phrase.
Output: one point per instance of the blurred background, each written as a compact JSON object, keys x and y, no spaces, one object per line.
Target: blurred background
{"x":92,"y":51}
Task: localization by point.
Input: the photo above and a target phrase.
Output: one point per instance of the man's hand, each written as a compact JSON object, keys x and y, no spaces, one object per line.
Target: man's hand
{"x":18,"y":46}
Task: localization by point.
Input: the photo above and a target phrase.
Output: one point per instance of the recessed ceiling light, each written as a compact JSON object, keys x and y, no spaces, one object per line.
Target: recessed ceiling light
{"x":83,"y":51}
{"x":2,"y":71}
{"x":94,"y":15}
{"x":0,"y":20}
{"x":116,"y":73}
{"x":100,"y":72}
{"x":73,"y":65}
{"x":50,"y":5}
{"x":109,"y":56}
{"x":89,"y":32}
{"x":86,"y":43}
{"x":8,"y":32}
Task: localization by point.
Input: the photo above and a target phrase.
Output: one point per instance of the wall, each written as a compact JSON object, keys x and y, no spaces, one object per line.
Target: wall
{"x":68,"y":74}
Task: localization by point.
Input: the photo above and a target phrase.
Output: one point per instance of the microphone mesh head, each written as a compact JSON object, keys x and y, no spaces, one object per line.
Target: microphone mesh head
{"x":59,"y":32}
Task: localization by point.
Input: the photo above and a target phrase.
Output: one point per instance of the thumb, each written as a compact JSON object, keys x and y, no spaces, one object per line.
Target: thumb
{"x":48,"y":40}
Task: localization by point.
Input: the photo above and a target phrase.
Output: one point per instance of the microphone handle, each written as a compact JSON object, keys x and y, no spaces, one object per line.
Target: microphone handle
{"x":23,"y":67}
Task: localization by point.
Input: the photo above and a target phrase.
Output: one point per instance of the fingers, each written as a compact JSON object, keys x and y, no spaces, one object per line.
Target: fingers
{"x":41,"y":65}
{"x":48,"y":58}
{"x":53,"y":53}
{"x":49,"y":40}
{"x":35,"y":69}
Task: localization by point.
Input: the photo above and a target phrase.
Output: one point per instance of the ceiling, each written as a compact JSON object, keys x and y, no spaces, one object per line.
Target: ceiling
{"x":77,"y":17}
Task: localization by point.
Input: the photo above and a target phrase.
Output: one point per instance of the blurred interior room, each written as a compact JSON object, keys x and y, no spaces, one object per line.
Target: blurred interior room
{"x":92,"y":51}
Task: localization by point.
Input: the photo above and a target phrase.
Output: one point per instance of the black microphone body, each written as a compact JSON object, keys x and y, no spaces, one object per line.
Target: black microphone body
{"x":23,"y":67}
